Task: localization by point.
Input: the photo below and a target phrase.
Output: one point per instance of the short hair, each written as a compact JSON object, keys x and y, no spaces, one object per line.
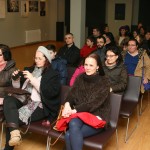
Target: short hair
{"x":116,"y":51}
{"x":6,"y":52}
{"x":136,"y":42}
{"x":51,"y":47}
{"x":69,"y":33}
{"x":102,"y":37}
{"x":99,"y":63}
{"x":91,"y":38}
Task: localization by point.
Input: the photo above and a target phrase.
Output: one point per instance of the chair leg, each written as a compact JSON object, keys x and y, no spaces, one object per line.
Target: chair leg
{"x":1,"y":136}
{"x":48,"y":143}
{"x":127,"y":136}
{"x":141,"y":107}
{"x":117,"y":145}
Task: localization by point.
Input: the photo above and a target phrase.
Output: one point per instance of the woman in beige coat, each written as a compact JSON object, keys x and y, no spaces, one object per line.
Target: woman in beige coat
{"x":135,"y":59}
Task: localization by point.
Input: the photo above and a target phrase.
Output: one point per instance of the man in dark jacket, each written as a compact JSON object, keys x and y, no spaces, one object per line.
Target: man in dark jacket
{"x":69,"y":51}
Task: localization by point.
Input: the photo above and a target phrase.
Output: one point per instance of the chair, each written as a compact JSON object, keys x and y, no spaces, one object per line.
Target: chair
{"x":70,"y":71}
{"x":130,"y":102}
{"x":97,"y":142}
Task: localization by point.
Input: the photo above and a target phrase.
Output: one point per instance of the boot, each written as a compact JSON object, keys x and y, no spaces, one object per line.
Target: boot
{"x":15,"y":138}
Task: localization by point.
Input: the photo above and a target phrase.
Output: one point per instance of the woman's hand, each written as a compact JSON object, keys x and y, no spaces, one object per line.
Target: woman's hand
{"x":145,"y":80}
{"x":27,"y":75}
{"x":67,"y":111}
{"x":16,"y":75}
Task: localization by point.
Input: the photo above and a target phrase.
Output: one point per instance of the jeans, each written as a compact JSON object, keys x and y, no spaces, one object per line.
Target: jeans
{"x":76,"y":132}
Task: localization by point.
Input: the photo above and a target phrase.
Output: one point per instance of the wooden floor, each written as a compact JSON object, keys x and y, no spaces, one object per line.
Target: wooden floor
{"x":140,"y":140}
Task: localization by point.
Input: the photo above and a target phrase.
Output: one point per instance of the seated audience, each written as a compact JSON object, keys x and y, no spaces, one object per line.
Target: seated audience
{"x":42,"y":82}
{"x":69,"y":51}
{"x":115,"y":70}
{"x":89,"y":94}
{"x":7,"y":67}
{"x":88,"y":47}
{"x":58,"y":64}
{"x":133,"y":60}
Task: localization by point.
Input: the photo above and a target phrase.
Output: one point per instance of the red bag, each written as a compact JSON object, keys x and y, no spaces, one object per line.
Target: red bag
{"x":86,"y":117}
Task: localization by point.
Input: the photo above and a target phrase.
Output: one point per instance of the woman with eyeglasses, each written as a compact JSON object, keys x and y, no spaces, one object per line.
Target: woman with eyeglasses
{"x":135,"y":59}
{"x":43,"y":84}
{"x":7,"y":66}
{"x":115,"y":70}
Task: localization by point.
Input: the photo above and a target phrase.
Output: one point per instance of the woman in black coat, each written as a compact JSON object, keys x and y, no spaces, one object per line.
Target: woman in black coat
{"x":115,"y":70}
{"x":42,"y":82}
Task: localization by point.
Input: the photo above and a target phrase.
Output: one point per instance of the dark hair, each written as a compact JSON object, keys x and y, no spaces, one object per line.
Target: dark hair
{"x":136,"y":42}
{"x":116,"y":51}
{"x":90,"y":38}
{"x":51,"y":47}
{"x":69,"y":34}
{"x":99,"y":63}
{"x":110,"y":36}
{"x":125,"y":28}
{"x":102,"y":37}
{"x":6,"y":52}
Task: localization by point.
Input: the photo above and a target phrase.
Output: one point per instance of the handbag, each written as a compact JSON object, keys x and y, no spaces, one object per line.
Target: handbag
{"x":147,"y":85}
{"x":11,"y":91}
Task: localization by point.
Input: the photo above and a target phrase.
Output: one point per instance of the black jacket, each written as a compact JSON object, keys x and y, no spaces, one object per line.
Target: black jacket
{"x":118,"y":77}
{"x":50,"y":91}
{"x":71,"y":54}
{"x":5,"y":76}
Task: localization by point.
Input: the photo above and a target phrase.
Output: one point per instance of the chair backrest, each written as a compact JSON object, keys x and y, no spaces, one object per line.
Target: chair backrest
{"x":64,"y":91}
{"x":115,"y":102}
{"x":132,"y":91}
{"x":70,"y":71}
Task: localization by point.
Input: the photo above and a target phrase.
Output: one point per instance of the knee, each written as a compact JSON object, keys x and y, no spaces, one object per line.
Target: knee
{"x":74,"y":123}
{"x":8,"y":101}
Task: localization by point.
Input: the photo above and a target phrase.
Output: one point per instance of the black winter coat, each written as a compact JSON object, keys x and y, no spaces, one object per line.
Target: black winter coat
{"x":118,"y":77}
{"x":5,"y":76}
{"x":50,"y":92}
{"x":71,"y":54}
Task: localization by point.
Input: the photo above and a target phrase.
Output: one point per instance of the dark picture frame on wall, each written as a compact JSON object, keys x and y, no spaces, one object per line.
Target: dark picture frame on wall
{"x":13,"y":5}
{"x":120,"y":11}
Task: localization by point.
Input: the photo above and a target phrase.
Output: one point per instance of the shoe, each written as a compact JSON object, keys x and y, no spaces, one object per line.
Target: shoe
{"x":15,"y":138}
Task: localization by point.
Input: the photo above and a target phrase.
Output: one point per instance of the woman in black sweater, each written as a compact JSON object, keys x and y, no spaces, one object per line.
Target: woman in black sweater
{"x":89,"y":94}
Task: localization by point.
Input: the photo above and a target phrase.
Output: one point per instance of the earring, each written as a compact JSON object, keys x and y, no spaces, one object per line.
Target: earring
{"x":96,"y":70}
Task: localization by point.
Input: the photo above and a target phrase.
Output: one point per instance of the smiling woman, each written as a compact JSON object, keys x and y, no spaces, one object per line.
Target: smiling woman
{"x":90,"y":88}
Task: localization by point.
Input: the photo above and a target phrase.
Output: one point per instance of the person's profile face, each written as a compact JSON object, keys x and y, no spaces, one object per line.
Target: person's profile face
{"x":90,"y":66}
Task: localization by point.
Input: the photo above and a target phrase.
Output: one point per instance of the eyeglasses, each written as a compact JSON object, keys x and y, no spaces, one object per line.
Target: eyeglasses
{"x":131,"y":45}
{"x":109,"y":56}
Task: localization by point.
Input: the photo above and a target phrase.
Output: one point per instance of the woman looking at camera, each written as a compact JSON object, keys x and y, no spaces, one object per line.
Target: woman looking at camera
{"x":89,"y":94}
{"x":42,"y":82}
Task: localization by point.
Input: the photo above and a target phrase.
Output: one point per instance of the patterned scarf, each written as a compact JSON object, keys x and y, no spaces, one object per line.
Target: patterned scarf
{"x":26,"y":111}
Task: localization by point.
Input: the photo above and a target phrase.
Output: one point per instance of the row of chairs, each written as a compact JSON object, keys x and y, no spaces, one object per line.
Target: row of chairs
{"x":120,"y":105}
